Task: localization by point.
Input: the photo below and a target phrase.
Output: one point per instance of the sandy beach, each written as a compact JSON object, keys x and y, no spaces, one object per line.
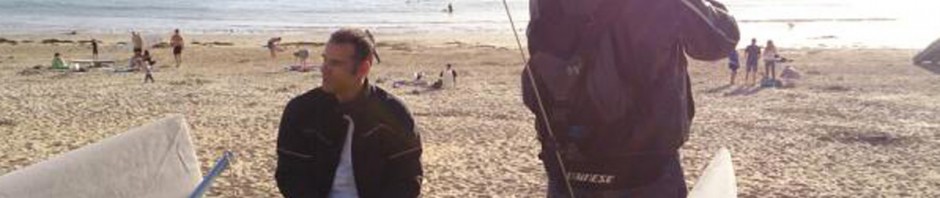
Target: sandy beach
{"x":862,"y":122}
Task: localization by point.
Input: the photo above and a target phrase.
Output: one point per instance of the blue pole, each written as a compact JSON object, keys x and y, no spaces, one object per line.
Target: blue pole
{"x":220,"y":165}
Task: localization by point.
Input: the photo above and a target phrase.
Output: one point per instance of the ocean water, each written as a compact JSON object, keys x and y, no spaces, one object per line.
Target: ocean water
{"x":839,"y":23}
{"x":790,"y":23}
{"x":253,"y":16}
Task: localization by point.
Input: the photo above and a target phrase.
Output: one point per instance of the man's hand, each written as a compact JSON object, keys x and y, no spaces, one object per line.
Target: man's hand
{"x":709,"y":30}
{"x":718,"y":5}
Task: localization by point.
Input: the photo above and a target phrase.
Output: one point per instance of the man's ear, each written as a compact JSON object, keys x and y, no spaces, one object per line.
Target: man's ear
{"x":364,"y":68}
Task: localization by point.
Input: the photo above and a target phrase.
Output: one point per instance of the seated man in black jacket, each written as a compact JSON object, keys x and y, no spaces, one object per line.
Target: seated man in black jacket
{"x":348,"y":138}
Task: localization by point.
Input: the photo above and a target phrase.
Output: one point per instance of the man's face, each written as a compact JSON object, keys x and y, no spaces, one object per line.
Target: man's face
{"x":337,"y":70}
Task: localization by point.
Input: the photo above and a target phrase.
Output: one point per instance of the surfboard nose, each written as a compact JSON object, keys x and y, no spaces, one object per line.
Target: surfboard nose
{"x":717,"y":181}
{"x":154,"y":160}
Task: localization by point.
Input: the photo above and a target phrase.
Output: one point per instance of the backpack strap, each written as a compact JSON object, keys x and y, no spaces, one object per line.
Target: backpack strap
{"x":564,"y":71}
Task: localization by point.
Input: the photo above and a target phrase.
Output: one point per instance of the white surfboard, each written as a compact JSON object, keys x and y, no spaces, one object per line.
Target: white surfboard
{"x":154,"y":160}
{"x":717,"y":181}
{"x":930,"y":54}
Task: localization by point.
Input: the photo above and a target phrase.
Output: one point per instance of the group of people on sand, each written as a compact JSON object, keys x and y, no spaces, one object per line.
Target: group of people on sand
{"x":446,"y":79}
{"x":753,"y":55}
{"x":301,"y":55}
{"x":141,"y":60}
{"x":609,"y":122}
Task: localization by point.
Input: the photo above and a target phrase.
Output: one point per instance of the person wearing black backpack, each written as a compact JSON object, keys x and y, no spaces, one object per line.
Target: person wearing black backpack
{"x":608,"y":83}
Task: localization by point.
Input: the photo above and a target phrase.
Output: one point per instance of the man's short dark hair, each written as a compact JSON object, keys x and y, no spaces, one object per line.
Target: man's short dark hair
{"x":361,"y":40}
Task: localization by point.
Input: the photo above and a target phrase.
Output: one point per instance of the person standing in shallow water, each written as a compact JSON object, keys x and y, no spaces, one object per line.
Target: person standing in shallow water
{"x":348,"y":138}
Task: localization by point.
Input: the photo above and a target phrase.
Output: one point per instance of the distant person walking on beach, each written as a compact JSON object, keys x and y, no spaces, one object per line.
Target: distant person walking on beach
{"x":733,"y":64}
{"x":752,"y":54}
{"x":770,"y":60}
{"x":94,"y":49}
{"x":137,"y":41}
{"x":177,"y":43}
{"x":274,"y":46}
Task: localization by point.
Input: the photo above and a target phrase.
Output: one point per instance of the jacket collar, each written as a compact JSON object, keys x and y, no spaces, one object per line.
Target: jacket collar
{"x":361,"y":102}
